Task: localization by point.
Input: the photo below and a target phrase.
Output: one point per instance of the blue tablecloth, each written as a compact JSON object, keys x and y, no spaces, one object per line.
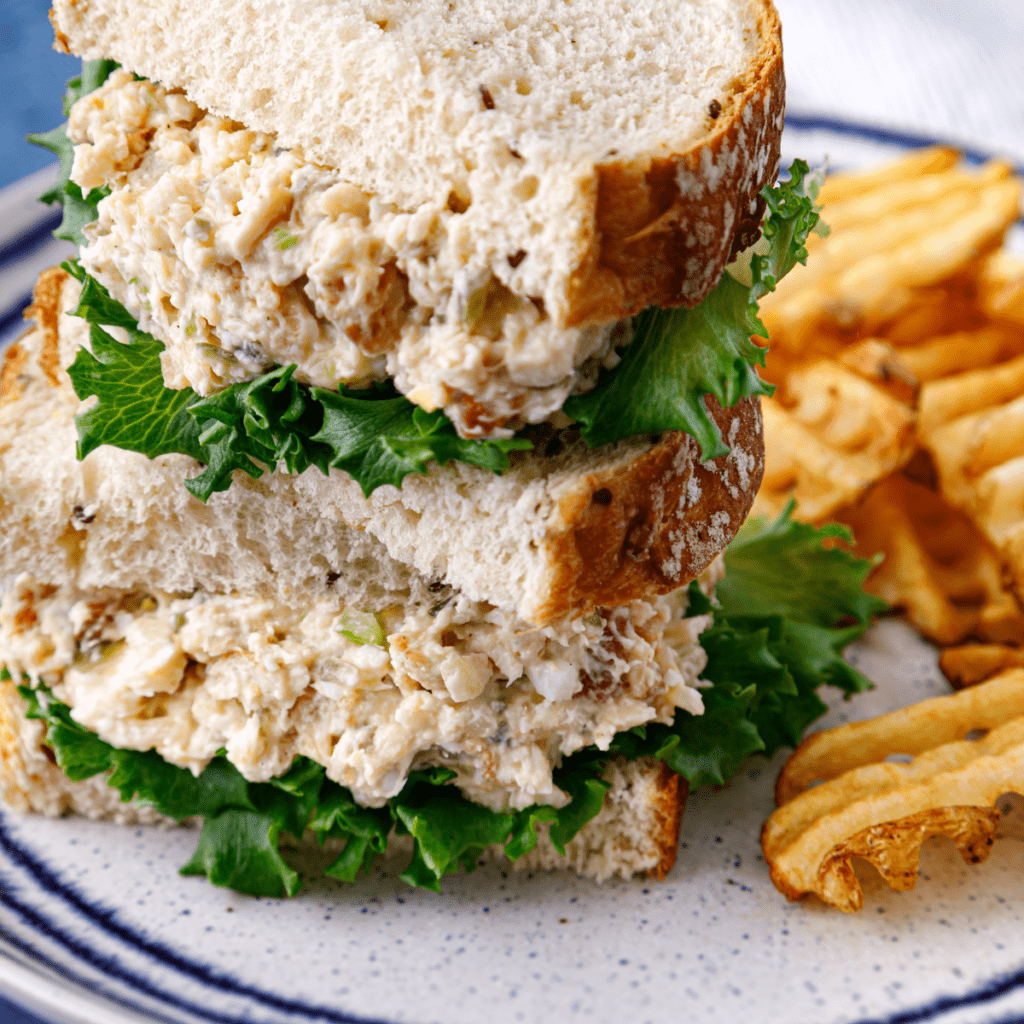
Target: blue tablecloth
{"x":32,"y":77}
{"x":10,"y":1014}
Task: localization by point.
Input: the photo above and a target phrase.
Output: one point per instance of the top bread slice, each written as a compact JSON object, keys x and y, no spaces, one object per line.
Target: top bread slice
{"x":565,"y":531}
{"x":601,"y":157}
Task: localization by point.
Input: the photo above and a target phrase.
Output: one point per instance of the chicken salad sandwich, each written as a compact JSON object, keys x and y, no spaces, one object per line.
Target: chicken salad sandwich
{"x":369,"y":471}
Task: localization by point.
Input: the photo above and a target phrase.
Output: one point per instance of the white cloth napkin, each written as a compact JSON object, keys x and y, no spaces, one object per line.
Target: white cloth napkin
{"x":950,"y":69}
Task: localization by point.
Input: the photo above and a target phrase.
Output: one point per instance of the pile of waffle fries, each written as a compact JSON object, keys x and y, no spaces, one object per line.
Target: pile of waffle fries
{"x":898,"y":352}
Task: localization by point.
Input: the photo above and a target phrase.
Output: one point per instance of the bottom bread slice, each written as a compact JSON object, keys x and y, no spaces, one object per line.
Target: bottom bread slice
{"x":636,"y":831}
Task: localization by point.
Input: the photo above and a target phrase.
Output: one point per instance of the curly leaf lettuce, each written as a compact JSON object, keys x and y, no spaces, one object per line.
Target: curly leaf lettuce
{"x":79,"y":208}
{"x":777,"y":635}
{"x":377,"y":435}
{"x":239,"y":844}
{"x":788,"y":605}
{"x":678,"y":356}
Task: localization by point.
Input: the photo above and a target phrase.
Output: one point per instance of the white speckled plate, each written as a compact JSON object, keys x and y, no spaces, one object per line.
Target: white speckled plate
{"x":97,"y":927}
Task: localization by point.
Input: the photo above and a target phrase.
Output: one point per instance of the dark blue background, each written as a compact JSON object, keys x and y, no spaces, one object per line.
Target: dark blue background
{"x":10,"y":1015}
{"x":32,"y":77}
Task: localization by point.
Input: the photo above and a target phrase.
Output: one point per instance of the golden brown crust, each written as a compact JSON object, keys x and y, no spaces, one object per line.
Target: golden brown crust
{"x":45,"y":310}
{"x":650,"y":526}
{"x":671,"y":802}
{"x":60,"y":41}
{"x":666,"y":227}
{"x":14,"y":360}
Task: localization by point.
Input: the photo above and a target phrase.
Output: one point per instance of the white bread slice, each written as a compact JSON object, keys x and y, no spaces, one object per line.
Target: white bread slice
{"x":619,"y":146}
{"x":561,"y":533}
{"x":636,"y":831}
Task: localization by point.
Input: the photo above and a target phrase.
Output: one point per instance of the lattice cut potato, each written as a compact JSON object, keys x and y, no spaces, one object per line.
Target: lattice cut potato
{"x":867,"y":806}
{"x":837,"y":434}
{"x":934,"y":564}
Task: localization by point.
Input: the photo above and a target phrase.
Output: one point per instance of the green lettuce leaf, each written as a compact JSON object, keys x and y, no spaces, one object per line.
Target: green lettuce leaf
{"x":448,"y":829}
{"x":678,"y":356}
{"x":238,"y":846}
{"x":363,"y":830}
{"x":377,"y":436}
{"x":789,"y":604}
{"x":383,"y":440}
{"x":239,"y":850}
{"x":79,"y":209}
{"x":798,"y":571}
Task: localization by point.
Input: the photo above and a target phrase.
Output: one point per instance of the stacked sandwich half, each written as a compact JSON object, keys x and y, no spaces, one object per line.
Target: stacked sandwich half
{"x":368,"y":471}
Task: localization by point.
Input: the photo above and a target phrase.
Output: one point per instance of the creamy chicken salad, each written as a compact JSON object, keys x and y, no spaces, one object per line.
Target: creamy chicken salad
{"x":240,"y":255}
{"x":368,"y":695}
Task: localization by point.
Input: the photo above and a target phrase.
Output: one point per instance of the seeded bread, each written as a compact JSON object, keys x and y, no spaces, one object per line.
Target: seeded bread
{"x":636,"y":831}
{"x":562,"y":533}
{"x":600,"y":157}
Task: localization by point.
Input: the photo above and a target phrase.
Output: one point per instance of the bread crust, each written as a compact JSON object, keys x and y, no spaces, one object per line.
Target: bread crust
{"x":671,"y":803}
{"x":665,"y":227}
{"x":657,"y":523}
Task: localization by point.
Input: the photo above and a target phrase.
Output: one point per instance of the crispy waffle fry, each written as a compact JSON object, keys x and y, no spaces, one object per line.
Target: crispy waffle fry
{"x":951,"y":306}
{"x":1001,"y":288}
{"x":974,"y":663}
{"x":936,"y":565}
{"x":839,"y":188}
{"x":877,"y":361}
{"x":973,"y":426}
{"x":883,"y":811}
{"x":870,"y":272}
{"x":980,"y":462}
{"x":841,"y":434}
{"x":914,"y":730}
{"x":894,"y":848}
{"x":965,"y":393}
{"x":956,"y":353}
{"x":909,"y":295}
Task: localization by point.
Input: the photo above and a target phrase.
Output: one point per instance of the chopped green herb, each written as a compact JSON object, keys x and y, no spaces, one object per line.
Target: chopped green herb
{"x":363,"y":628}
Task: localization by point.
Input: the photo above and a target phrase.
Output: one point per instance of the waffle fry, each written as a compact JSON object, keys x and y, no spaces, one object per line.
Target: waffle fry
{"x":840,"y":434}
{"x":949,"y":354}
{"x":908,"y":294}
{"x":838,"y":188}
{"x":1001,"y":288}
{"x":882,"y":811}
{"x":974,"y":663}
{"x":972,"y":424}
{"x":936,"y":565}
{"x":965,"y":393}
{"x":951,"y":306}
{"x":909,"y":297}
{"x":827,"y":755}
{"x":877,"y":361}
{"x":870,"y":269}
